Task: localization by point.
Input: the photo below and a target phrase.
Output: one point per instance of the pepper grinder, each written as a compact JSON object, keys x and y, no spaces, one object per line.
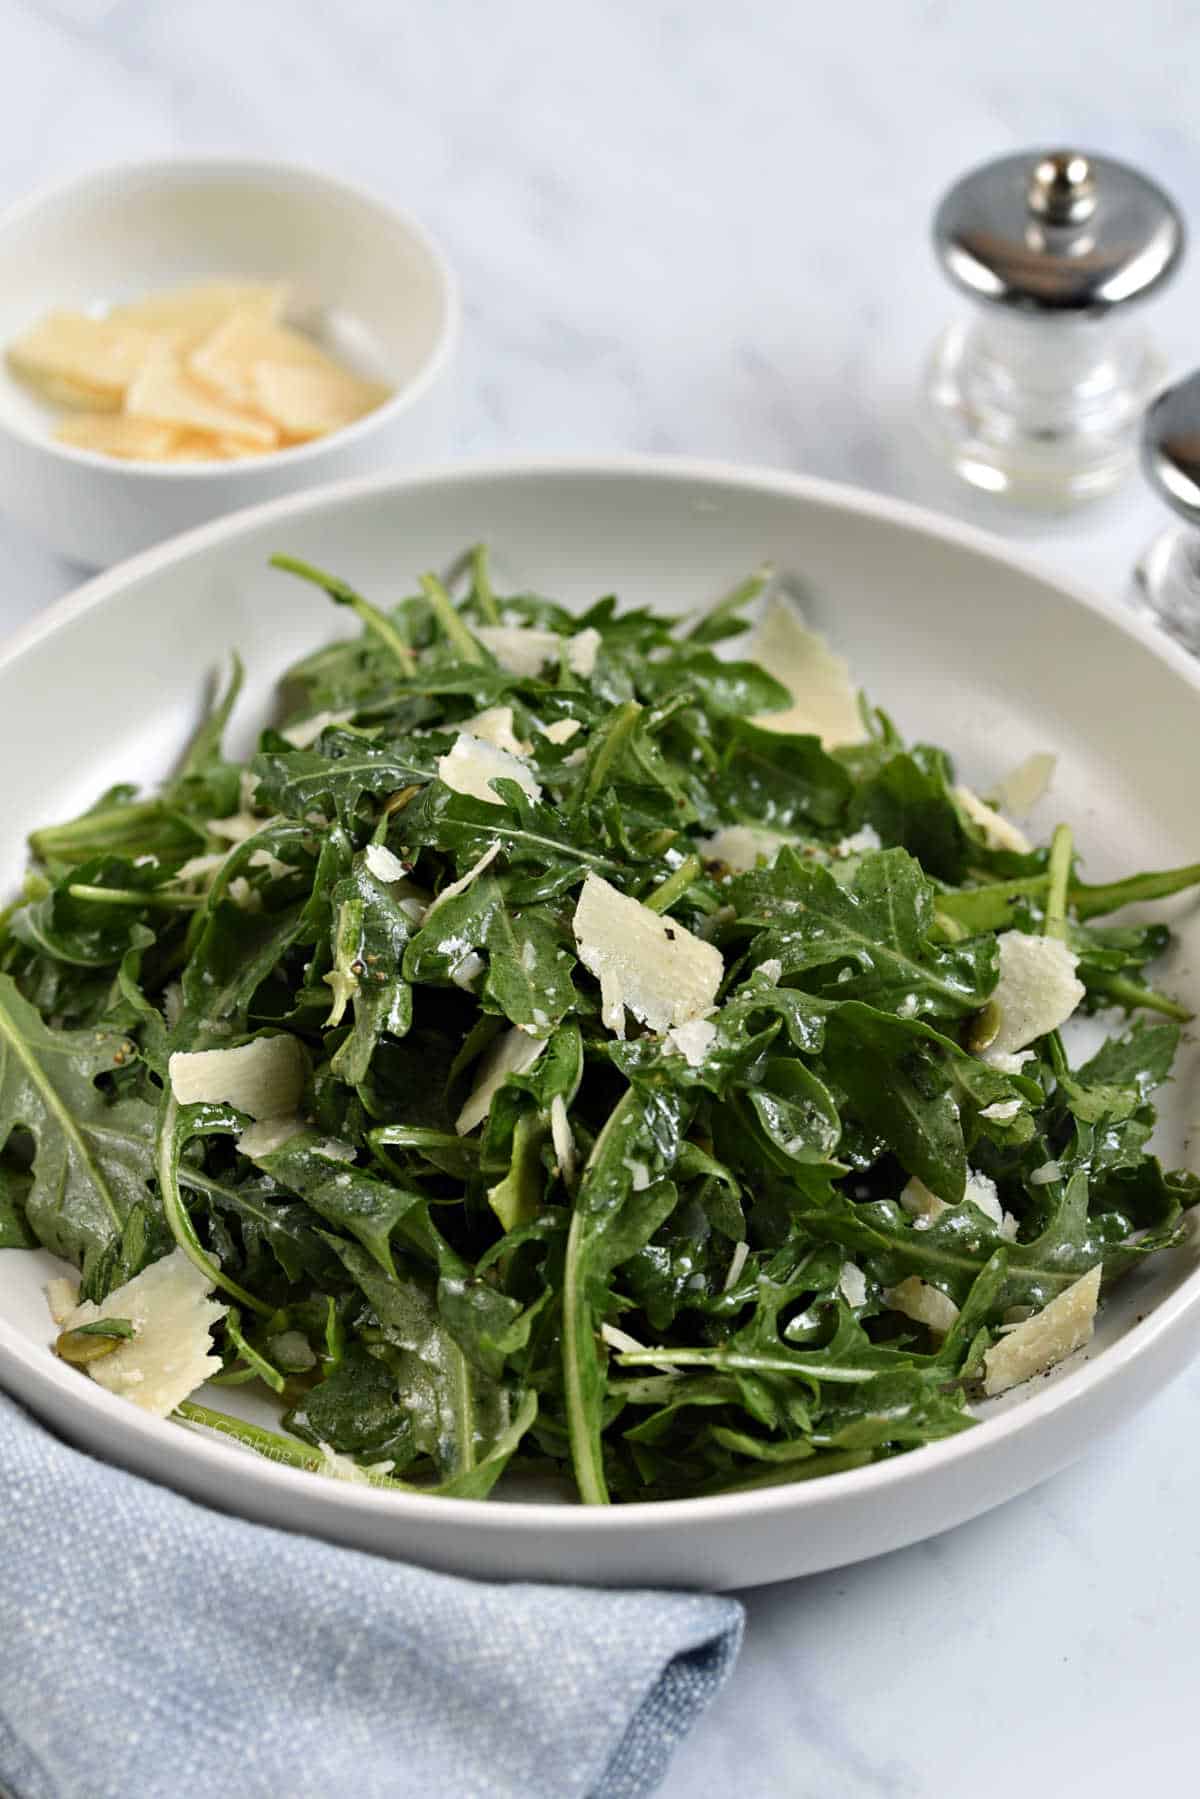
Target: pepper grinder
{"x":1167,"y":579}
{"x":1037,"y":395}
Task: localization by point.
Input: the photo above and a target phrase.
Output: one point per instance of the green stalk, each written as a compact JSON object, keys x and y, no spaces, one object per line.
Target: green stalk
{"x":129,"y":896}
{"x":1091,"y":902}
{"x":448,"y":618}
{"x":675,"y":886}
{"x":1124,"y":992}
{"x":481,"y":585}
{"x":179,"y":1219}
{"x":344,"y":595}
{"x":114,"y":828}
{"x":606,"y":748}
{"x":271,"y":1444}
{"x":1054,"y":922}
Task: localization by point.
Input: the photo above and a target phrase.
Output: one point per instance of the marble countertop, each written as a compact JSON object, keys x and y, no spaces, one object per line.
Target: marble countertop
{"x":702,"y":229}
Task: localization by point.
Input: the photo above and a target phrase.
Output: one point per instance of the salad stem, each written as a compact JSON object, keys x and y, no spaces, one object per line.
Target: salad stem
{"x":344,"y":595}
{"x":448,"y":618}
{"x":1054,"y":923}
{"x":675,"y":886}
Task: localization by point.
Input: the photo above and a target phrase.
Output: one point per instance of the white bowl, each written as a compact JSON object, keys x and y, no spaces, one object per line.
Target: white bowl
{"x":366,"y":280}
{"x":959,"y":641}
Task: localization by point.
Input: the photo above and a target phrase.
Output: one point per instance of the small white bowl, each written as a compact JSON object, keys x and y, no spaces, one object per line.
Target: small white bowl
{"x":364,"y":279}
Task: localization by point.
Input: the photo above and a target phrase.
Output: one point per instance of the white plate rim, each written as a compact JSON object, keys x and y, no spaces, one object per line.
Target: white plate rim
{"x":1160,"y":1331}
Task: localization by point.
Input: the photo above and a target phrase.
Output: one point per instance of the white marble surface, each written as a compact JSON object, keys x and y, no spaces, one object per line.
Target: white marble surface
{"x":702,"y":228}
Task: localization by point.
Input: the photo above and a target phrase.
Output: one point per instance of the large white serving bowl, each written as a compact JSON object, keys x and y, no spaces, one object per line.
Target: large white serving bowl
{"x":363,"y":278}
{"x":961,"y":643}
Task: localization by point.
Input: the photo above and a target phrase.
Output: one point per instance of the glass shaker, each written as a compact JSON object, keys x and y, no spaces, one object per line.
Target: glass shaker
{"x":1167,"y":579}
{"x":1037,"y":394}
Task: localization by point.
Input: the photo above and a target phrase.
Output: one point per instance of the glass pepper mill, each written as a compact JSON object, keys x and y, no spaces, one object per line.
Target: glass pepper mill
{"x":1167,"y":579}
{"x":1037,"y":394}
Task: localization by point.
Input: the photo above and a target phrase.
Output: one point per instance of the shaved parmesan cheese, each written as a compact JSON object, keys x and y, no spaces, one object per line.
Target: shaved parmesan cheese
{"x":741,"y":847}
{"x":852,"y":1284}
{"x":341,"y":1467}
{"x":513,"y":1053}
{"x":981,"y":1191}
{"x":563,"y":1138}
{"x":264,"y":1078}
{"x":309,"y":729}
{"x":924,"y":1304}
{"x":859,"y":843}
{"x":464,"y":881}
{"x":998,"y":833}
{"x":561,"y":731}
{"x":1046,"y":1339}
{"x":170,"y":1353}
{"x":382,"y":863}
{"x":162,"y":389}
{"x":1020,"y":790}
{"x":737,"y":1262}
{"x":1037,"y":991}
{"x":824,"y":702}
{"x":274,"y":867}
{"x":244,"y":895}
{"x":524,"y":650}
{"x":268,"y":1135}
{"x":619,"y":1339}
{"x":770,"y":970}
{"x":62,"y":1296}
{"x":495,"y":726}
{"x":521,"y":649}
{"x":1002,"y":1111}
{"x":1042,"y":1177}
{"x":923,"y":1205}
{"x":472,"y":766}
{"x":467,"y":970}
{"x":197,"y":867}
{"x":651,"y":964}
{"x":237,"y":827}
{"x":693,"y":1040}
{"x":581,"y":652}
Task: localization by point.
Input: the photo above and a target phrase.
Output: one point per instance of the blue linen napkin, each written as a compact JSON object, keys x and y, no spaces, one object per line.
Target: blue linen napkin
{"x":150,"y":1646}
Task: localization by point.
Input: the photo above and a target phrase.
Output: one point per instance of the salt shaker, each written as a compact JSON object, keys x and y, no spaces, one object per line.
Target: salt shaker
{"x":1167,"y":579}
{"x":1037,"y":394}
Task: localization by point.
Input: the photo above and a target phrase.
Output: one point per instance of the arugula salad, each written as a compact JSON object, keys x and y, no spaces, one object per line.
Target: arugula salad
{"x":565,"y":1049}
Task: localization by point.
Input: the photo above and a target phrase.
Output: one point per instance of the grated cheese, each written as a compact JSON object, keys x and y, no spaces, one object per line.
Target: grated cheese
{"x":515,"y":1052}
{"x":998,"y":833}
{"x":1037,"y":991}
{"x":264,"y":1078}
{"x":1046,"y":1339}
{"x":824,"y":701}
{"x":656,"y":967}
{"x":170,"y":1353}
{"x":472,"y":766}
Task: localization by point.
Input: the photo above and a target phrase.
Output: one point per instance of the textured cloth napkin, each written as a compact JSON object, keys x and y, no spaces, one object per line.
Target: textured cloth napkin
{"x":149,"y":1646}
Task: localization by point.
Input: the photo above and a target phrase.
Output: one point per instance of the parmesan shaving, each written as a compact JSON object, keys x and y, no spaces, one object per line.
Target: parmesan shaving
{"x":852,"y":1284}
{"x":382,"y":863}
{"x":737,"y":1262}
{"x":998,"y":833}
{"x":62,"y":1296}
{"x":927,"y":1305}
{"x":561,"y":731}
{"x":464,"y":881}
{"x":742,"y":847}
{"x":1020,"y":790}
{"x":473,"y":765}
{"x":621,"y":1340}
{"x":170,"y":1353}
{"x":495,"y":726}
{"x":1046,"y":1339}
{"x":1037,"y":991}
{"x":264,"y":1078}
{"x":563,"y":1139}
{"x":301,"y":735}
{"x":515,"y":1052}
{"x":268,"y":1135}
{"x":824,"y":701}
{"x":693,"y":1040}
{"x":656,"y":967}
